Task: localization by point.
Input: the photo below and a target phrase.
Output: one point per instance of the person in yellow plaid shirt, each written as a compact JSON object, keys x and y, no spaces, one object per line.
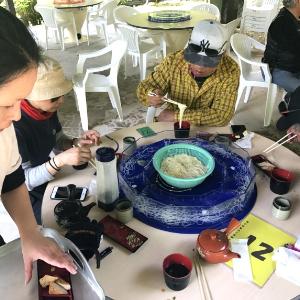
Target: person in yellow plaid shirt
{"x":200,"y":76}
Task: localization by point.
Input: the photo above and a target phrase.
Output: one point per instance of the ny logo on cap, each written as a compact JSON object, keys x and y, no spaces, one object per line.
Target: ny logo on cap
{"x":204,"y":45}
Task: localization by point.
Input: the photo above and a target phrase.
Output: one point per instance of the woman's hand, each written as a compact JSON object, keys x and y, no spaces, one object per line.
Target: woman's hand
{"x":295,"y":130}
{"x":35,"y":246}
{"x":73,"y":156}
{"x":89,"y":138}
{"x":155,"y":100}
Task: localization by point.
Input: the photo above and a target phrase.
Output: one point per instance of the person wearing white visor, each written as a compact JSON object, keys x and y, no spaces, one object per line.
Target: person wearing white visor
{"x":43,"y":146}
{"x":201,"y":76}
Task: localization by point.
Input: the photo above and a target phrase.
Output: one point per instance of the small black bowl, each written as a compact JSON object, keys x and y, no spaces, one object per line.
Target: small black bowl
{"x":280,"y":181}
{"x":80,"y":167}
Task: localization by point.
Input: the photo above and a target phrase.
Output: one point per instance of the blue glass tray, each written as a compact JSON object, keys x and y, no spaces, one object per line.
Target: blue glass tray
{"x":228,"y":192}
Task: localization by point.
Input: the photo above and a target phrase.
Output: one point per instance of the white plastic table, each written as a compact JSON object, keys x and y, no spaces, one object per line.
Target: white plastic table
{"x":79,"y":11}
{"x":176,"y":35}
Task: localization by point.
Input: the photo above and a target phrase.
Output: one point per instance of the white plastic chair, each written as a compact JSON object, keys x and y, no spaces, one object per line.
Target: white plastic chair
{"x":91,"y":82}
{"x":92,"y":13}
{"x":137,"y":47}
{"x":102,"y":17}
{"x":56,"y":20}
{"x":210,"y":8}
{"x":253,"y":72}
{"x":259,"y":3}
{"x":120,"y":15}
{"x":230,"y":29}
{"x":257,"y":17}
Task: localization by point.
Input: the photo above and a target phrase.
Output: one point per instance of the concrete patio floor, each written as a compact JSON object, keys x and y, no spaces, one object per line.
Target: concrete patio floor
{"x":251,"y":114}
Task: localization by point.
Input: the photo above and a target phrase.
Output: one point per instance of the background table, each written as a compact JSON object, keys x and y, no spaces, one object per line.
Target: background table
{"x":86,"y":3}
{"x":79,"y":11}
{"x":138,"y":276}
{"x":176,"y":35}
{"x":140,"y":20}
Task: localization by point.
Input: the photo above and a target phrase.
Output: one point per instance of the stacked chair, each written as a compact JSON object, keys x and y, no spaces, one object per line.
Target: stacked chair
{"x":57,"y":20}
{"x":138,"y":48}
{"x":102,"y":17}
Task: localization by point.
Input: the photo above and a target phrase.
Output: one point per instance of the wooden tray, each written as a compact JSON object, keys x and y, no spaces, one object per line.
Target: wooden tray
{"x":122,"y":234}
{"x":46,"y":269}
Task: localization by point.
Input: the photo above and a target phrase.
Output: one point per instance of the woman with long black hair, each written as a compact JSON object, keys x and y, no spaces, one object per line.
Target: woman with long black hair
{"x":19,"y":58}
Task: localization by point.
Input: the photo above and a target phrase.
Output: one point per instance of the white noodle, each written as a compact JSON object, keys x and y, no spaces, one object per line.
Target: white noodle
{"x":183,"y":166}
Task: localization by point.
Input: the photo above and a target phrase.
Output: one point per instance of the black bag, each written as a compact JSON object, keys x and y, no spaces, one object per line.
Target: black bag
{"x":87,"y":237}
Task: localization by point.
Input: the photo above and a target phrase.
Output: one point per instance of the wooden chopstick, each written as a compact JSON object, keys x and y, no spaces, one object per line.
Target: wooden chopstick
{"x":207,"y":294}
{"x":198,"y":274}
{"x":166,"y":99}
{"x":92,"y":163}
{"x":279,"y":143}
{"x":276,"y":142}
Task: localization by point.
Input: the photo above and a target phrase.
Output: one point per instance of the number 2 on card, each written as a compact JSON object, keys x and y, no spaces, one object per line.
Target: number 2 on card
{"x":259,"y":253}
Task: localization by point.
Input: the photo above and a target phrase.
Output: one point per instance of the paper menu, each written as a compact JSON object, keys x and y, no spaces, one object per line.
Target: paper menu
{"x":263,"y":238}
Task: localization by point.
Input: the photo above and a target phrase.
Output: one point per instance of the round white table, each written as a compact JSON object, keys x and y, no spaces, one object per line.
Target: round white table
{"x":140,"y":20}
{"x":176,"y":35}
{"x":137,"y":276}
{"x":85,"y":3}
{"x":78,"y":10}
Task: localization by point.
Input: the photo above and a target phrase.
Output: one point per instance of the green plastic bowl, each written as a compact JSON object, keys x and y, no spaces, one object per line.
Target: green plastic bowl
{"x":174,"y":149}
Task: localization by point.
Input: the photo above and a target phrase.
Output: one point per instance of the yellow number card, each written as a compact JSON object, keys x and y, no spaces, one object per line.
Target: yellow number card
{"x":263,"y":238}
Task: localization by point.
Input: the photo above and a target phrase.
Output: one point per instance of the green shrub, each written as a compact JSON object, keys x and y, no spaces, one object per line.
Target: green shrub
{"x":25,"y":11}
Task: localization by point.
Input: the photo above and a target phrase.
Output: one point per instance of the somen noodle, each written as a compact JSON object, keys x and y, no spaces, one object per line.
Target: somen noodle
{"x":183,"y":166}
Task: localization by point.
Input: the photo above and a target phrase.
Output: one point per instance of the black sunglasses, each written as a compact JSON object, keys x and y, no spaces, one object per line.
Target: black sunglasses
{"x":204,"y":47}
{"x":55,"y":99}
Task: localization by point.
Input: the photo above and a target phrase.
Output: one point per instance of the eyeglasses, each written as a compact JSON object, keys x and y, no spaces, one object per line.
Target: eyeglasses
{"x":204,"y":47}
{"x":55,"y":99}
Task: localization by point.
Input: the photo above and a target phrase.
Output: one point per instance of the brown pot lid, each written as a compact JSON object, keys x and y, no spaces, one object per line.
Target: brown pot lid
{"x":213,"y":240}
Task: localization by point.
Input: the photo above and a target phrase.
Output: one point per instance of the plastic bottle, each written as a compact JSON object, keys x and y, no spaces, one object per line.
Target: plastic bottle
{"x":107,"y":178}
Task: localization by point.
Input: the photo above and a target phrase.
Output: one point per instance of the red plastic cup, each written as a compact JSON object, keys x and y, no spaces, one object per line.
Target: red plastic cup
{"x":177,"y":271}
{"x":281,"y":180}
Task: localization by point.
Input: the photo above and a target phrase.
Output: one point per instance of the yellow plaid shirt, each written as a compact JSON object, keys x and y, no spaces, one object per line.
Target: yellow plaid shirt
{"x":211,"y":103}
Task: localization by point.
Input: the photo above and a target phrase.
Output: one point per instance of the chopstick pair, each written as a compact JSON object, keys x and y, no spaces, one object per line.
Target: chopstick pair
{"x":166,"y":99}
{"x":204,"y":288}
{"x":280,"y":142}
{"x":92,"y":163}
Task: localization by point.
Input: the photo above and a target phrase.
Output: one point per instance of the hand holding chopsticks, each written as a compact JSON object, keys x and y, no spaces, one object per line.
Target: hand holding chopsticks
{"x":166,"y":99}
{"x":91,"y":162}
{"x":280,"y":142}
